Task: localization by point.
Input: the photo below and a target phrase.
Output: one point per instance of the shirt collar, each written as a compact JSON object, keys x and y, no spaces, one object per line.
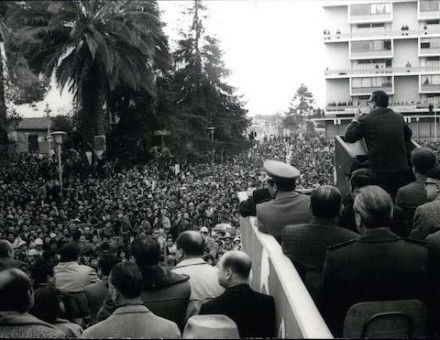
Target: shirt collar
{"x":190,"y":262}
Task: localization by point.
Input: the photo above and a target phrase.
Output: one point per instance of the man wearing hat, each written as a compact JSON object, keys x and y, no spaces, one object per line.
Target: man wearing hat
{"x":427,"y":216}
{"x":287,"y":206}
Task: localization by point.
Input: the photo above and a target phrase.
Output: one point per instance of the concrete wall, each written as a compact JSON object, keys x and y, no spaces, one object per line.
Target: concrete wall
{"x":405,"y":14}
{"x":337,"y":90}
{"x":404,"y":51}
{"x":336,"y":18}
{"x":406,"y":89}
{"x":337,"y":56}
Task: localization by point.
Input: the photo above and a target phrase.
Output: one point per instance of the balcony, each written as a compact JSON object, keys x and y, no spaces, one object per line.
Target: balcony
{"x":426,"y":52}
{"x":399,"y":71}
{"x":368,"y":34}
{"x":371,"y":54}
{"x":429,"y":9}
{"x":369,"y":13}
{"x":364,"y":91}
{"x":435,"y":88}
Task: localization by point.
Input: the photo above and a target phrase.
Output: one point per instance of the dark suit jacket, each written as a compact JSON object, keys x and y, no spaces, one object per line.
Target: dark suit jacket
{"x":386,"y":135}
{"x":253,"y":312}
{"x":377,"y":266}
{"x":306,"y":245}
{"x":397,"y":224}
{"x":426,"y":220}
{"x":409,"y":197}
{"x":96,"y":295}
{"x":249,"y":207}
{"x":286,"y":208}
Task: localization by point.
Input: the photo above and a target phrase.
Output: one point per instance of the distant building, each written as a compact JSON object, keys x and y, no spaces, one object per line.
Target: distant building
{"x":392,"y":46}
{"x":30,"y":135}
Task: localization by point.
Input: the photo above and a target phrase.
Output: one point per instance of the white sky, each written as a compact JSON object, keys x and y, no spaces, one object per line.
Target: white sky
{"x":271,"y":46}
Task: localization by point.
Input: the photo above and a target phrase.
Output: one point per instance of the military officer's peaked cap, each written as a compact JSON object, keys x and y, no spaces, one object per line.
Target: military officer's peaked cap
{"x":280,"y":170}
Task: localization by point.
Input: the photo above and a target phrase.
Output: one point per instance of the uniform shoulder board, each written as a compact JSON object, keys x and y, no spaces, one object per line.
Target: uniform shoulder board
{"x":412,"y":240}
{"x":338,"y":245}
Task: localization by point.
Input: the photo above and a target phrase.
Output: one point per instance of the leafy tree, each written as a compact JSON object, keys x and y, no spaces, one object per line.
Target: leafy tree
{"x":94,"y":47}
{"x":203,"y":98}
{"x":301,"y":106}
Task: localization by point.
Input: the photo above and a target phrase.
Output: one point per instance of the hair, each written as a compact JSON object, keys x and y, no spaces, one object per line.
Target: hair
{"x":374,"y":205}
{"x":191,"y":242}
{"x":127,"y":279}
{"x":239,"y":262}
{"x":69,"y":252}
{"x":325,"y":201}
{"x":146,"y":251}
{"x":106,"y":262}
{"x":423,"y":159}
{"x":380,"y":98}
{"x":284,"y":184}
{"x":362,"y":178}
{"x":40,"y":271}
{"x":46,"y":304}
{"x":15,"y":287}
{"x":5,"y":248}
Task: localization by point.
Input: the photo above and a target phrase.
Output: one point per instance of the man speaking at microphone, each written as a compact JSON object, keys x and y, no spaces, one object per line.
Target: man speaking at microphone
{"x":386,"y":135}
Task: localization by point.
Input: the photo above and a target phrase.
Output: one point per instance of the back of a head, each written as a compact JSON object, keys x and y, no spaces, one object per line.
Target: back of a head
{"x":423,"y":159}
{"x":5,"y":249}
{"x":380,"y":98}
{"x":69,"y":252}
{"x":239,"y":263}
{"x":325,"y":202}
{"x":15,"y":290}
{"x":374,"y":205}
{"x":46,"y":304}
{"x":40,"y":271}
{"x":106,"y":262}
{"x":362,"y":177}
{"x":127,"y":279}
{"x":146,"y":251}
{"x":191,"y":242}
{"x":285,"y":184}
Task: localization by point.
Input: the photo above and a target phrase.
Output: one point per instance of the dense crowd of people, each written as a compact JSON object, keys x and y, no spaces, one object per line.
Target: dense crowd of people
{"x":151,"y":250}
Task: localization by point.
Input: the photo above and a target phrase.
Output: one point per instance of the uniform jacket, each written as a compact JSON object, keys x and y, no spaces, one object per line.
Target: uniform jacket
{"x":166,"y":294}
{"x":377,"y":266}
{"x":71,"y":277}
{"x":386,"y":135}
{"x":426,"y":220}
{"x":24,"y":325}
{"x":133,"y":321}
{"x":254,"y":313}
{"x":409,"y":197}
{"x":203,"y":279}
{"x":306,"y":244}
{"x":286,"y":208}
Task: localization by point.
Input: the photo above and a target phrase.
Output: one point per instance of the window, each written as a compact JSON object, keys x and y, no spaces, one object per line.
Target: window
{"x":371,"y":45}
{"x":370,"y":9}
{"x":430,"y":43}
{"x":371,"y":82}
{"x":431,"y":80}
{"x":429,"y":5}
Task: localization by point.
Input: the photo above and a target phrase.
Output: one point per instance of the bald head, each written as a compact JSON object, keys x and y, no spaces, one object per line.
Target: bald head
{"x":238,"y":262}
{"x":6,"y":249}
{"x":191,"y":243}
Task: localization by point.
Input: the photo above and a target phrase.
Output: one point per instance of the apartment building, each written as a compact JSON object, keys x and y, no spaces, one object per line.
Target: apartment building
{"x":392,"y":46}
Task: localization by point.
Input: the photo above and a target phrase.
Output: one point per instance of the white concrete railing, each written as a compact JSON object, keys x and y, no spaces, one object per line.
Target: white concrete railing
{"x":273,"y":273}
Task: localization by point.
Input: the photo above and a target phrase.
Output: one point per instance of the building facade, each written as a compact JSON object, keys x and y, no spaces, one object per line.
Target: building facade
{"x":392,"y":46}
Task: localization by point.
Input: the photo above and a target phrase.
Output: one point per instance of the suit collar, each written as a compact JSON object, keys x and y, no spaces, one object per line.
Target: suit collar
{"x":237,"y":288}
{"x":378,"y":235}
{"x":421,"y":179}
{"x":131,"y":308}
{"x":323,"y":221}
{"x":191,"y":262}
{"x":286,"y":194}
{"x":380,"y":110}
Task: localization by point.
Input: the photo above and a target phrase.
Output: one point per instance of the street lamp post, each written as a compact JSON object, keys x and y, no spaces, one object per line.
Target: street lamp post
{"x":58,"y":139}
{"x":212,"y":129}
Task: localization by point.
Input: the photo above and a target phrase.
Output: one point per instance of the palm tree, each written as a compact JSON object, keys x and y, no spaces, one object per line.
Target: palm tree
{"x":95,"y":46}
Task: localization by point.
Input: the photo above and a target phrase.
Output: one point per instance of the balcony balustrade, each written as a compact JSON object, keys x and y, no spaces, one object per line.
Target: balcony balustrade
{"x":387,"y":70}
{"x":369,"y":90}
{"x":430,"y":88}
{"x":381,"y":33}
{"x":371,"y":54}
